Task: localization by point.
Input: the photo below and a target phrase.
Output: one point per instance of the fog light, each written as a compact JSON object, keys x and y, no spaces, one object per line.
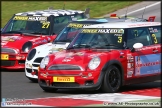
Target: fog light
{"x":48,"y":82}
{"x":43,"y":75}
{"x":18,"y":57}
{"x":89,"y":74}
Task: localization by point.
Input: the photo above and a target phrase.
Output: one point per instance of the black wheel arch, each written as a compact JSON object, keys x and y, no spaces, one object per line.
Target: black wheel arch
{"x":118,"y":65}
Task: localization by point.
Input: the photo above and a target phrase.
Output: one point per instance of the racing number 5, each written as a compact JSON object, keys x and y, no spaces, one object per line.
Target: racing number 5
{"x":119,"y":39}
{"x":154,"y":37}
{"x":45,"y":25}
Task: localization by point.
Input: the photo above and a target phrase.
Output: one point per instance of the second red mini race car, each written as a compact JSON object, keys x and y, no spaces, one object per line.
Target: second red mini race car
{"x":105,"y":56}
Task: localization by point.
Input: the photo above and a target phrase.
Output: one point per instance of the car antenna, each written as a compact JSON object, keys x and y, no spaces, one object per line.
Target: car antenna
{"x":144,"y":11}
{"x":126,"y":11}
{"x":64,"y":6}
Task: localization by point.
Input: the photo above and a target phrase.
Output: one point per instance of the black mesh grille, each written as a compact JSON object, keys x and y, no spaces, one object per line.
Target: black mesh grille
{"x":38,"y":60}
{"x":35,"y":65}
{"x":62,"y":84}
{"x":8,"y":50}
{"x":29,"y":70}
{"x":64,"y":67}
{"x":7,"y":63}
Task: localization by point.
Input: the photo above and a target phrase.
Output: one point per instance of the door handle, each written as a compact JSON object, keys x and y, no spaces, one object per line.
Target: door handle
{"x":154,"y":50}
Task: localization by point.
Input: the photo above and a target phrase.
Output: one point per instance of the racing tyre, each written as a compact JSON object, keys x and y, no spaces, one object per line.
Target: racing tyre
{"x":46,"y":89}
{"x":112,"y":80}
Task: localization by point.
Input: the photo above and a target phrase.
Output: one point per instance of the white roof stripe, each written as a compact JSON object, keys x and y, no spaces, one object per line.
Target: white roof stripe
{"x":123,"y":25}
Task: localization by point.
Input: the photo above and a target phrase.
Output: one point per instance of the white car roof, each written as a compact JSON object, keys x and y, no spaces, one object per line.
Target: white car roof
{"x":50,"y":12}
{"x":124,"y":25}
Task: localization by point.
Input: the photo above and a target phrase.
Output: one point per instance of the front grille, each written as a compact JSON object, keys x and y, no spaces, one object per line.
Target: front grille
{"x":62,"y":84}
{"x":38,"y":60}
{"x":64,"y":67}
{"x":35,"y":65}
{"x":7,"y":63}
{"x":8,"y":50}
{"x":21,"y":61}
{"x":29,"y":70}
{"x":36,"y":72}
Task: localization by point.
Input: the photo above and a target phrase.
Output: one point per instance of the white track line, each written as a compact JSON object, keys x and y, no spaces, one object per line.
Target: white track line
{"x":110,"y":97}
{"x":142,"y":8}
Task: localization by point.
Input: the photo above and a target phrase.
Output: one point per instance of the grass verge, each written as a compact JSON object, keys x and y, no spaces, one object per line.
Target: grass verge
{"x":97,"y":8}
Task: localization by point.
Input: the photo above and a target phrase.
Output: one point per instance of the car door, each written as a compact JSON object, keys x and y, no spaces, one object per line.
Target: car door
{"x":144,"y":63}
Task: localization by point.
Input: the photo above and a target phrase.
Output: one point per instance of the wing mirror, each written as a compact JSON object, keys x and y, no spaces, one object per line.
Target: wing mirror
{"x":136,"y":46}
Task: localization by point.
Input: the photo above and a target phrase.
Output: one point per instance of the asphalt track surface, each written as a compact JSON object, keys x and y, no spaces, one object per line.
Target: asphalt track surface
{"x":14,"y":84}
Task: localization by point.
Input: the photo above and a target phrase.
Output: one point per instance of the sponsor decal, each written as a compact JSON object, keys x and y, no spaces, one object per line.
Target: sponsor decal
{"x":40,"y":41}
{"x":129,"y":74}
{"x":3,"y":43}
{"x":153,"y":30}
{"x":103,"y":31}
{"x":73,"y":54}
{"x":130,"y":57}
{"x":63,"y":79}
{"x":118,"y":34}
{"x":143,"y":24}
{"x":66,"y":60}
{"x":30,"y":18}
{"x":10,"y":38}
{"x":147,"y":64}
{"x":56,"y":49}
{"x":4,"y":56}
{"x":73,"y":25}
{"x":129,"y":65}
{"x":147,"y":48}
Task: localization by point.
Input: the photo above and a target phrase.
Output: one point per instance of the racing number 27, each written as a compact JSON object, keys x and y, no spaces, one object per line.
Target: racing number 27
{"x":45,"y":25}
{"x":119,"y":39}
{"x":154,"y":37}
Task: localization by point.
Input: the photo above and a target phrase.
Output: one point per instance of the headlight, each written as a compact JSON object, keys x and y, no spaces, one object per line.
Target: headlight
{"x":27,"y":46}
{"x":94,"y":63}
{"x":44,"y":62}
{"x":31,"y":54}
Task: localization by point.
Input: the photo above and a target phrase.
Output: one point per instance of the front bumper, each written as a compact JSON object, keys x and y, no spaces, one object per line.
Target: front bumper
{"x":13,"y":61}
{"x":81,"y":81}
{"x":31,"y":67}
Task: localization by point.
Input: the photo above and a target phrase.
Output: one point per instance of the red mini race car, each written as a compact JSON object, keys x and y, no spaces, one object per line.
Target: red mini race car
{"x":29,"y":29}
{"x":105,"y":56}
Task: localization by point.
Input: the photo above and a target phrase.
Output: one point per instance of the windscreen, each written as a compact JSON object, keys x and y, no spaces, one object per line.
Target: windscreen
{"x":28,"y":24}
{"x":69,"y":32}
{"x":99,"y":38}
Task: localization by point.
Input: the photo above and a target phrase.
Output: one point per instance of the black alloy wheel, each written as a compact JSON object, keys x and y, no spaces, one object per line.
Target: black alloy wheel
{"x":112,"y":80}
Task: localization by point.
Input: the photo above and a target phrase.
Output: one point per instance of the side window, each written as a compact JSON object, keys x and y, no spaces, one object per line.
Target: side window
{"x":138,"y":35}
{"x":155,"y":33}
{"x":60,"y":22}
